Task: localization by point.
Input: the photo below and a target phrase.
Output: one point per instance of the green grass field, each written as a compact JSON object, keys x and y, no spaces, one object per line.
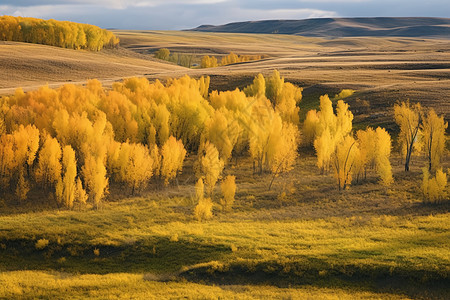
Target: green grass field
{"x":366,"y":242}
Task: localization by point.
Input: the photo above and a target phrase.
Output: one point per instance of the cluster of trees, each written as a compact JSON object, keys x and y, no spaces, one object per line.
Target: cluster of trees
{"x":423,"y":131}
{"x":184,"y":60}
{"x":211,"y":61}
{"x":56,"y":33}
{"x":74,"y":142}
{"x":187,"y":60}
{"x":337,"y":146}
{"x":352,"y":154}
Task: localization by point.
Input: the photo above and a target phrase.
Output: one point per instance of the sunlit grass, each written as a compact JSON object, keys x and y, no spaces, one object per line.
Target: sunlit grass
{"x":320,"y":238}
{"x":35,"y":284}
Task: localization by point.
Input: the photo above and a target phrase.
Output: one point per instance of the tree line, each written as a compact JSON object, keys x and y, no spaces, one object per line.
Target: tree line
{"x":207,"y":61}
{"x":62,"y":34}
{"x":74,"y":142}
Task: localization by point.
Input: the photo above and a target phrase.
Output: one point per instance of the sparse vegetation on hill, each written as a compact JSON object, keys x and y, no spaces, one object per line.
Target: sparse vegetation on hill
{"x":56,"y":33}
{"x":187,"y":60}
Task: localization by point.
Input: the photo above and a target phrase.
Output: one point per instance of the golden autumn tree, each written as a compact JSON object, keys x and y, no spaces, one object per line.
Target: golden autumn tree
{"x":367,"y":141}
{"x":208,"y":62}
{"x":374,"y":153}
{"x":94,"y":173}
{"x":203,"y":209}
{"x":433,"y":132}
{"x":228,"y":188}
{"x":173,"y":154}
{"x":209,"y":166}
{"x":199,"y":190}
{"x":257,"y":88}
{"x":161,"y":123}
{"x":48,"y":172}
{"x":286,"y":151}
{"x":408,"y":118}
{"x":67,"y":187}
{"x":163,"y":54}
{"x":382,"y":154}
{"x":331,"y":129}
{"x":222,"y":133}
{"x":343,"y":159}
{"x":26,"y":144}
{"x":133,"y":166}
{"x":81,"y":196}
{"x":156,"y":158}
{"x":434,"y":189}
{"x":7,"y":160}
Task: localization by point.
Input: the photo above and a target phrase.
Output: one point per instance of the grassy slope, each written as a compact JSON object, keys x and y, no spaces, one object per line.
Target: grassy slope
{"x":362,"y":241}
{"x":30,"y":65}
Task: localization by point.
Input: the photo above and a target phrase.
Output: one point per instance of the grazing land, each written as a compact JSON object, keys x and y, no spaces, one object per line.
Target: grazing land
{"x":300,"y":238}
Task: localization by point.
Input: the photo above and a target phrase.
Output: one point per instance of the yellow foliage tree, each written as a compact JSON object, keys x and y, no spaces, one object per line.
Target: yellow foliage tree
{"x":433,"y":131}
{"x":310,"y":128}
{"x":331,"y":129}
{"x":173,"y":154}
{"x":221,"y":133}
{"x":286,"y":151}
{"x":56,"y":33}
{"x":208,"y":62}
{"x":94,"y":173}
{"x":7,"y":160}
{"x":209,"y":165}
{"x":408,"y":118}
{"x":134,"y":166}
{"x":163,"y":54}
{"x":81,"y":196}
{"x":26,"y":144}
{"x":257,"y":88}
{"x":199,"y":190}
{"x":203,"y":210}
{"x":374,"y":152}
{"x":228,"y":188}
{"x":434,"y":189}
{"x":68,"y":186}
{"x":48,"y":172}
{"x":344,"y":158}
{"x":382,"y":154}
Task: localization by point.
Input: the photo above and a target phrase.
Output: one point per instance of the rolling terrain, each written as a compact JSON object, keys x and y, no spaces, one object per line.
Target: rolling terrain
{"x":30,"y":66}
{"x":341,"y":27}
{"x":381,"y":70}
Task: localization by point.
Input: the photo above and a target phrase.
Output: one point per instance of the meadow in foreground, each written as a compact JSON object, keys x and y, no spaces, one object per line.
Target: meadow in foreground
{"x":367,"y":242}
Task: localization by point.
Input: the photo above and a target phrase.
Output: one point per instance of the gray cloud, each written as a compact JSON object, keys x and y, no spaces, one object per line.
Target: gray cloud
{"x":182,"y":14}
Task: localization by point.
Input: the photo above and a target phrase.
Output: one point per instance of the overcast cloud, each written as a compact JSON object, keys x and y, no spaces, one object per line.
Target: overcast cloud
{"x":180,"y":14}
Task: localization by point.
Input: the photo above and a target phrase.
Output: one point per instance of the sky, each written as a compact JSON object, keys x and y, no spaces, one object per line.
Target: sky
{"x":181,"y":14}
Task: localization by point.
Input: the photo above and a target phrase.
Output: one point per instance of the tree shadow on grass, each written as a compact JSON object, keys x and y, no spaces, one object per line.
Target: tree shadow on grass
{"x":323,"y":274}
{"x":158,"y":255}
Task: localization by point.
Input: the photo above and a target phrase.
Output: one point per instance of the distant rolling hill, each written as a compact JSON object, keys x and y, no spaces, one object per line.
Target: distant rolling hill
{"x":342,"y":27}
